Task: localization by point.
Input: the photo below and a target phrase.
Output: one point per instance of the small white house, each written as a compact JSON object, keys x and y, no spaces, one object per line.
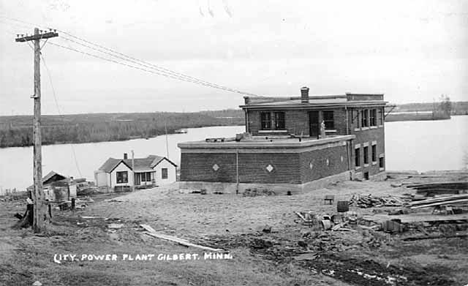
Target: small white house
{"x":150,"y":171}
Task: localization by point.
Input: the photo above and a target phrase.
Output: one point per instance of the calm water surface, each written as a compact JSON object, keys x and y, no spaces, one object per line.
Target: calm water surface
{"x":411,"y":145}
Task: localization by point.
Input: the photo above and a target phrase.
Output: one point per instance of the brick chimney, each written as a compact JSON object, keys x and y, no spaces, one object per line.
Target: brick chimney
{"x":305,"y":95}
{"x":125,"y":156}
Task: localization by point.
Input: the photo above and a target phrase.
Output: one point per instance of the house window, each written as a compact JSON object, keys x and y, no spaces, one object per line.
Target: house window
{"x":164,"y":173}
{"x":265,"y":120}
{"x":374,"y":153}
{"x":328,"y":120}
{"x":146,"y":177}
{"x":373,"y":117}
{"x":279,"y":121}
{"x":122,"y":177}
{"x":366,"y":155}
{"x":357,"y":156}
{"x":364,"y":118}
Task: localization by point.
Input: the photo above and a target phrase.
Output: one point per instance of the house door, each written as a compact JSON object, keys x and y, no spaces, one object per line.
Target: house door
{"x":314,"y":124}
{"x":137,"y":179}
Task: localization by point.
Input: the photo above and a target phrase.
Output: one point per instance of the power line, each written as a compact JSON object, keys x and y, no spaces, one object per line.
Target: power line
{"x":155,"y":67}
{"x":59,"y":113}
{"x":158,"y":70}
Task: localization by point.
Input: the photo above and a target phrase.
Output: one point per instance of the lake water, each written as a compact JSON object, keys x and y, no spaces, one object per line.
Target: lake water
{"x":410,"y":145}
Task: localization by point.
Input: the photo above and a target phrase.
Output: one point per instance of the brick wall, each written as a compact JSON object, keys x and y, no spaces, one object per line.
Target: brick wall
{"x":323,"y":163}
{"x":289,"y":168}
{"x":297,"y":122}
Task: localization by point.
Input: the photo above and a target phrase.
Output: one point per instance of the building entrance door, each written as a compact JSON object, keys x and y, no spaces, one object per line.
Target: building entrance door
{"x":314,"y":124}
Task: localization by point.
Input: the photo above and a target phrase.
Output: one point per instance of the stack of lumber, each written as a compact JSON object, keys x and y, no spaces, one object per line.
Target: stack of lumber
{"x":436,"y":188}
{"x":440,"y":201}
{"x":370,"y":201}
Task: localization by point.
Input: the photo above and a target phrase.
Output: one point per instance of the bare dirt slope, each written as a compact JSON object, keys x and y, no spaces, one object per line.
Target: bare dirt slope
{"x":268,"y":243}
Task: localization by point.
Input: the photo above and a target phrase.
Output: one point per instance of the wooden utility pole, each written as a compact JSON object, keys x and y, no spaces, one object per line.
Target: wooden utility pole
{"x":40,"y":206}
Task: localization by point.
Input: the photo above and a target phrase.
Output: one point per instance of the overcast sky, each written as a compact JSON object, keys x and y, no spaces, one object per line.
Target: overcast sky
{"x":413,"y":51}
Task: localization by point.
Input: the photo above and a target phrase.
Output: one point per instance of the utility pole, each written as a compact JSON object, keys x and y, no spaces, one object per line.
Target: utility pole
{"x":40,"y":206}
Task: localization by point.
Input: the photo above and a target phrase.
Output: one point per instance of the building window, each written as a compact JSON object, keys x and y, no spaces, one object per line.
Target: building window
{"x":374,"y":153}
{"x":122,"y":177}
{"x":280,"y":123}
{"x":364,"y":118}
{"x":366,"y":155}
{"x":265,"y":120}
{"x":357,"y":119}
{"x":164,"y":173}
{"x":380,"y":116}
{"x":373,"y":117}
{"x":381,"y":162}
{"x":328,"y":120}
{"x":357,"y":156}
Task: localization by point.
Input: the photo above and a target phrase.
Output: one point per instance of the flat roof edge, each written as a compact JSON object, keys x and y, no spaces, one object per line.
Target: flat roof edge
{"x":293,"y":144}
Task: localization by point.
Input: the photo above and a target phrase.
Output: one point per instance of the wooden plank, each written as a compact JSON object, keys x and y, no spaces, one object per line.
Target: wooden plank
{"x":440,"y":204}
{"x":150,"y":231}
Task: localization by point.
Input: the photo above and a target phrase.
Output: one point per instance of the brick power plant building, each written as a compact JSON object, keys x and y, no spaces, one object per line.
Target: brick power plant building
{"x":292,"y":144}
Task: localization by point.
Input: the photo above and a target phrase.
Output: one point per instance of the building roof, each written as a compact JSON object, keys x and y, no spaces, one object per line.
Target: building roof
{"x":348,"y":99}
{"x":50,"y":178}
{"x":141,"y":164}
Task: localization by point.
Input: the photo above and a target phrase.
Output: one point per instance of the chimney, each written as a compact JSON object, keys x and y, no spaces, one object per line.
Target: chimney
{"x":305,"y":95}
{"x":125,"y":156}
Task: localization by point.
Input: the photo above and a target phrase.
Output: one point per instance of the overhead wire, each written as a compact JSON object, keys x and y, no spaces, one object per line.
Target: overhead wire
{"x":59,"y":112}
{"x":158,"y":70}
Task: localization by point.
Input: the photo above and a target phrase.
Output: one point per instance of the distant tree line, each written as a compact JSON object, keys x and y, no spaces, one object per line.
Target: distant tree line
{"x":16,"y":131}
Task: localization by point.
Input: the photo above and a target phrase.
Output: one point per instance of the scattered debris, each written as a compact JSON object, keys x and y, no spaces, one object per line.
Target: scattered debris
{"x":115,"y":225}
{"x":257,"y":192}
{"x":152,"y":232}
{"x":370,"y":201}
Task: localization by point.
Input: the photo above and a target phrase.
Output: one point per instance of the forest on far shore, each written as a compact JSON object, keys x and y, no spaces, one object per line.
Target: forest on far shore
{"x":16,"y":131}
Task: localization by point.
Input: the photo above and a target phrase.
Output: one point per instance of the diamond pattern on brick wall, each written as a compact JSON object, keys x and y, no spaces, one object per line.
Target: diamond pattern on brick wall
{"x":269,"y":168}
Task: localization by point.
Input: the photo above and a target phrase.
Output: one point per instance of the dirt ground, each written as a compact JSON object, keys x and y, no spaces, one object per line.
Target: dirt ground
{"x":267,"y":242}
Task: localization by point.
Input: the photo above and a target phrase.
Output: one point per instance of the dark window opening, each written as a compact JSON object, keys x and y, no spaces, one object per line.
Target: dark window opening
{"x":280,"y":123}
{"x":122,"y":177}
{"x":373,"y":117}
{"x":164,"y":174}
{"x":366,"y":155}
{"x":374,"y":153}
{"x":146,"y":177}
{"x":357,"y":157}
{"x":358,"y":119}
{"x":328,"y":120}
{"x":381,"y":162}
{"x":380,"y":116}
{"x":266,"y":120}
{"x":364,"y":118}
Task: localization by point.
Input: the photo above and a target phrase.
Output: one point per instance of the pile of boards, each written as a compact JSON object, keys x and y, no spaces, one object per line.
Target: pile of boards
{"x":437,"y":188}
{"x":369,"y":201}
{"x":440,"y":201}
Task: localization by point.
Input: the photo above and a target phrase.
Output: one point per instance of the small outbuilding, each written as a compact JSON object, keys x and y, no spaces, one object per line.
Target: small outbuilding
{"x":138,"y":172}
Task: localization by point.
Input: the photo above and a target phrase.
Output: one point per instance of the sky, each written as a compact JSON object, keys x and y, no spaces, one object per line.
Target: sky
{"x":412,"y":51}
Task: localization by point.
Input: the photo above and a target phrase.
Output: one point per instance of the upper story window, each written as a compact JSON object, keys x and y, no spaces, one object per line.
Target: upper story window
{"x":265,"y":120}
{"x":273,"y":120}
{"x":280,"y":123}
{"x":328,"y":120}
{"x":364,"y":118}
{"x":380,"y":116}
{"x":373,"y":117}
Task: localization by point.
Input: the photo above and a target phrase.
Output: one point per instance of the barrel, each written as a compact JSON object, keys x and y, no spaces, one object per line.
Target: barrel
{"x":326,"y":224}
{"x":342,"y":206}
